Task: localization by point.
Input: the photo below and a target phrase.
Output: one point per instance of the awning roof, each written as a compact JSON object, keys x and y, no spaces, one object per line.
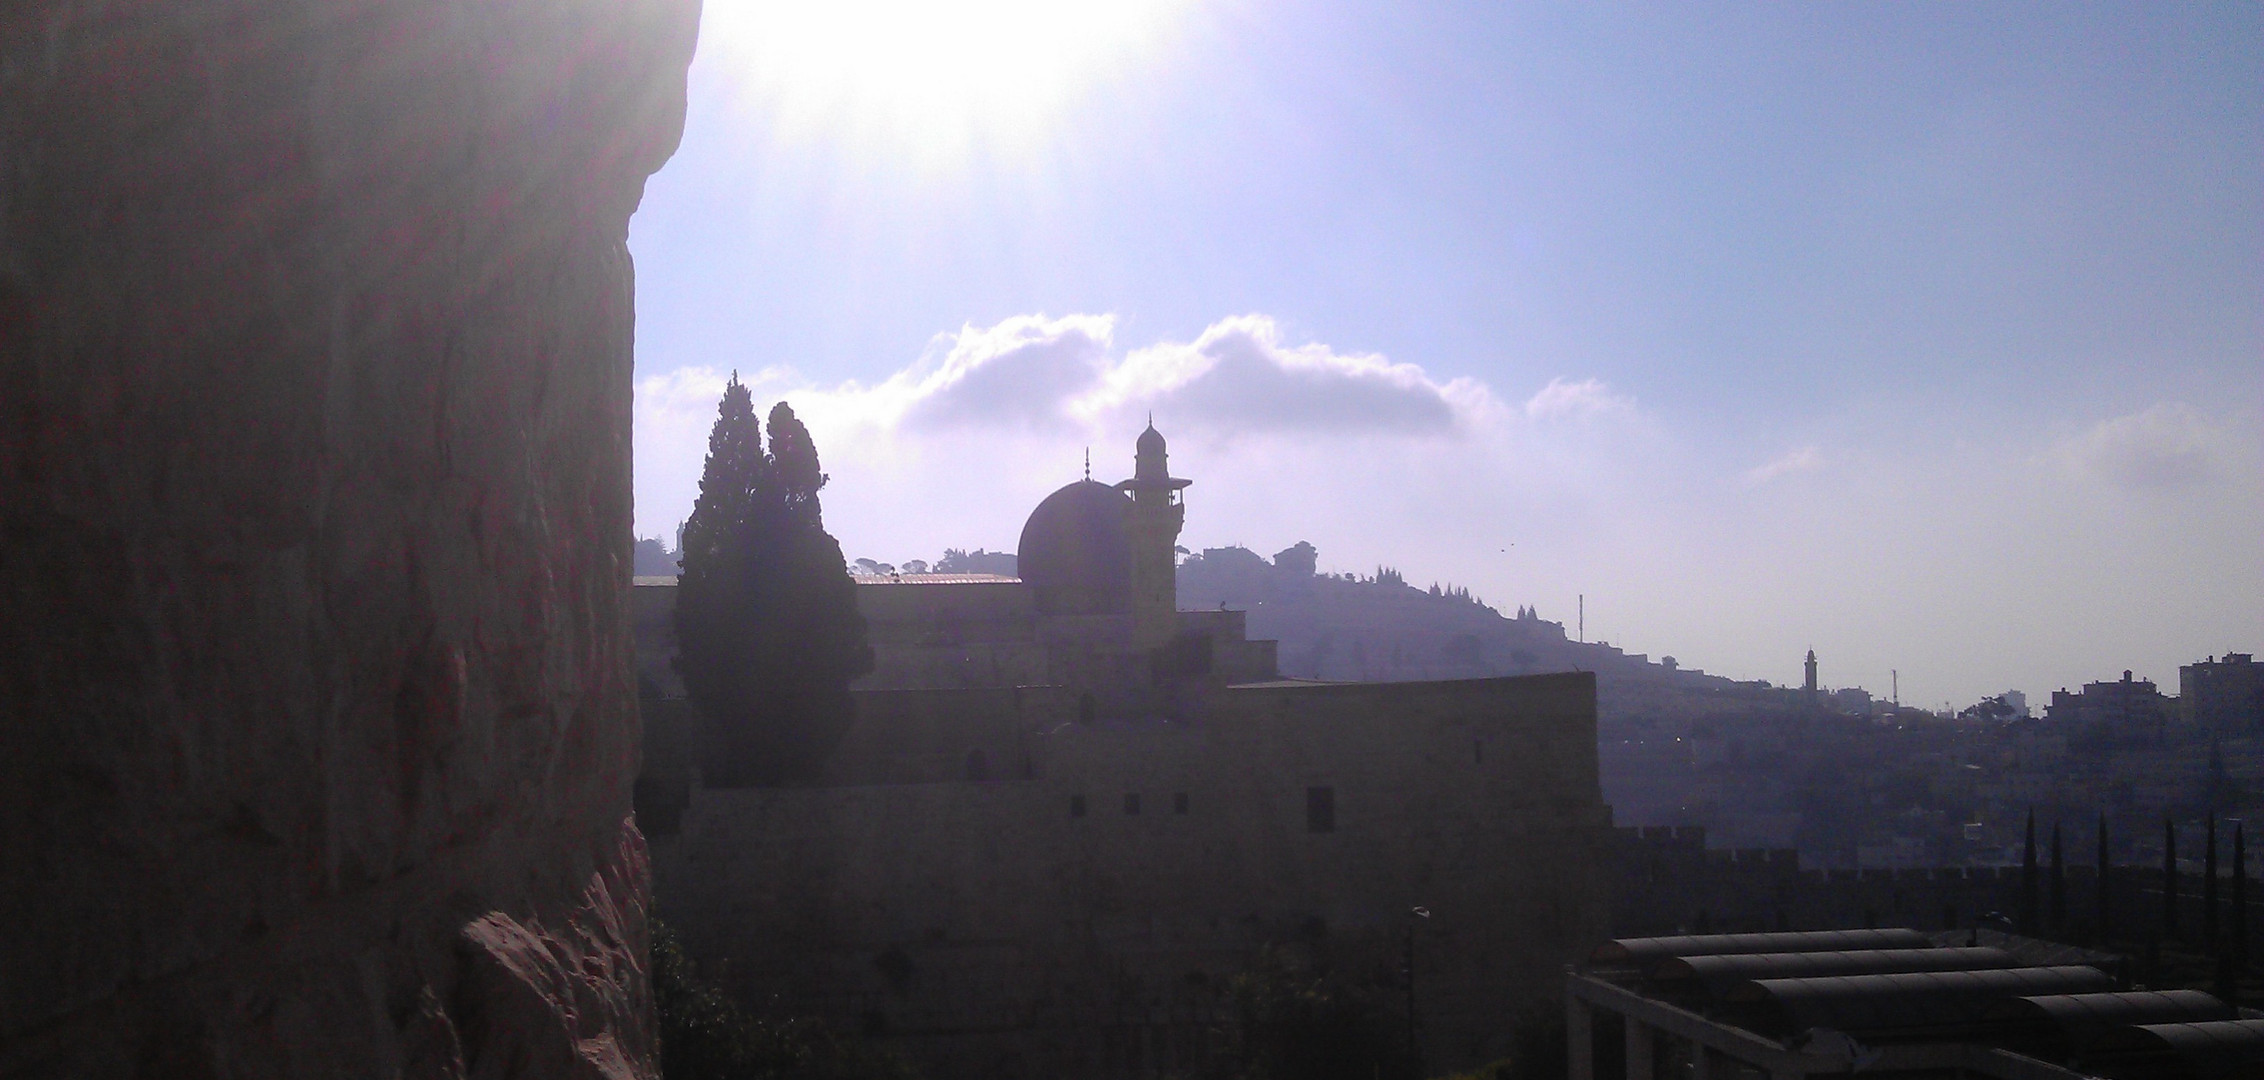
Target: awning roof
{"x":2207,"y":1050}
{"x":1720,"y":974}
{"x":1643,"y":952}
{"x":1906,"y":1002}
{"x":2114,"y":1009}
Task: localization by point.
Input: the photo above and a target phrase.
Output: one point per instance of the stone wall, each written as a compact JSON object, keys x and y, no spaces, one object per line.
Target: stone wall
{"x":1086,"y":920}
{"x":930,"y":736}
{"x":317,"y":725}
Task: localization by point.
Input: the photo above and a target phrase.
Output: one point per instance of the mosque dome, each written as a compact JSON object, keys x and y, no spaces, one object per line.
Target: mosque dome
{"x":1150,"y":443}
{"x":1151,"y":468}
{"x":1076,"y":553}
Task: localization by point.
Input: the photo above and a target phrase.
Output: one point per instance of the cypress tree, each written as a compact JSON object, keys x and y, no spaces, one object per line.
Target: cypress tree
{"x":2228,"y":968}
{"x":2209,"y":888}
{"x":2059,"y":884}
{"x":720,"y":637}
{"x":2240,"y":898}
{"x":2169,"y":877}
{"x":2105,"y":924}
{"x":768,"y":634}
{"x":2028,"y":878}
{"x":822,"y":644}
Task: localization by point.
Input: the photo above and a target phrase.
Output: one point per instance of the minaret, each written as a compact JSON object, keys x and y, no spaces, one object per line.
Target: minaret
{"x":1811,"y":686}
{"x":1153,"y":527}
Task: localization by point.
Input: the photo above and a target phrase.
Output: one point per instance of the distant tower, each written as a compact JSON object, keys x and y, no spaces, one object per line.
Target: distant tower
{"x":1810,"y":688}
{"x":1153,"y":528}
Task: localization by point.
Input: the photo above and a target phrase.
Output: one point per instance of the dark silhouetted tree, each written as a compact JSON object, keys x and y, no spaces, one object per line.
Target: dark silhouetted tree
{"x":768,"y":634}
{"x":720,"y":636}
{"x":2209,"y":887}
{"x":2104,"y":882}
{"x":2240,"y":898}
{"x":822,"y":646}
{"x":2169,"y":878}
{"x":2028,"y":878}
{"x":653,"y":558}
{"x":2059,"y":884}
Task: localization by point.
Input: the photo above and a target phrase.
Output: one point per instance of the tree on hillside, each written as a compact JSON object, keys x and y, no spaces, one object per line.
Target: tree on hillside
{"x":653,"y":558}
{"x":766,"y":617}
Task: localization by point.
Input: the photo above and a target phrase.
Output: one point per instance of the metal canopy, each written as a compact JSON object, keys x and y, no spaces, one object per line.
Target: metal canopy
{"x":2057,"y":1025}
{"x":1643,"y":952}
{"x":1906,"y":1004}
{"x":2206,"y":1050}
{"x":1717,"y":975}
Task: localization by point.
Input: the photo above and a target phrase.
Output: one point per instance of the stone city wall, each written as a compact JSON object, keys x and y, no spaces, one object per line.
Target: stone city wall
{"x":317,"y":725}
{"x":946,"y":613}
{"x":929,"y":736}
{"x":1086,"y":921}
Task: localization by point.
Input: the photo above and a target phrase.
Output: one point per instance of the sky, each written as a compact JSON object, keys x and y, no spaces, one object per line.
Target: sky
{"x":1927,"y":336}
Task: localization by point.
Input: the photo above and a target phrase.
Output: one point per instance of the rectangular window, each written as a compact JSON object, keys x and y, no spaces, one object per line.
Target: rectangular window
{"x":1131,"y":802}
{"x":1179,"y":803}
{"x":1076,"y":806}
{"x":1320,"y":809}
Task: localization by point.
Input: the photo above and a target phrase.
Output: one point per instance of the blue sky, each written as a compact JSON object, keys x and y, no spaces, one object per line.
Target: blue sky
{"x":1927,"y":336}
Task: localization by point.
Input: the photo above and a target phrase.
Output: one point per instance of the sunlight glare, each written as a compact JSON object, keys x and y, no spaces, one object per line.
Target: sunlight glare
{"x":935,"y":77}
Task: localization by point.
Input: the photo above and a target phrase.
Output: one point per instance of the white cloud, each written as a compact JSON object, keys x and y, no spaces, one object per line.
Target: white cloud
{"x":1057,"y":377}
{"x":1024,"y":372}
{"x":2166,"y":447}
{"x":1238,"y":378}
{"x":1566,"y":400}
{"x":1801,"y":460}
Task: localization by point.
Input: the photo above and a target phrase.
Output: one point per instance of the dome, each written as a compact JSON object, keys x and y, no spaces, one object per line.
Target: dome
{"x":1151,"y":469}
{"x":1076,"y":553}
{"x":1150,"y":442}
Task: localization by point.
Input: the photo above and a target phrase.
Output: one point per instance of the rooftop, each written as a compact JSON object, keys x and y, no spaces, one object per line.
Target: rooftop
{"x":1894,"y":1002}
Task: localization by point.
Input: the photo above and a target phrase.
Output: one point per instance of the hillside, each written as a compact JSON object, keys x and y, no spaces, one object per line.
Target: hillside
{"x":1380,"y":628}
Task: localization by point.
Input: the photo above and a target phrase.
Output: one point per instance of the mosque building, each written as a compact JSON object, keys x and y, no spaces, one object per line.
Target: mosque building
{"x":1094,"y":608}
{"x":1068,"y":815}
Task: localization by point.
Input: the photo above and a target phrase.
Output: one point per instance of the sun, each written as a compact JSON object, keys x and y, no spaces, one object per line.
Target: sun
{"x":939,"y":77}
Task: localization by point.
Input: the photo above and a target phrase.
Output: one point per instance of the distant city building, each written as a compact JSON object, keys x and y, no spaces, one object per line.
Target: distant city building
{"x":2132,"y":702}
{"x":2224,"y":695}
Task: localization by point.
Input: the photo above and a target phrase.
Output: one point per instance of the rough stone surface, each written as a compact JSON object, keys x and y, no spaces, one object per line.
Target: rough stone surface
{"x":317,"y":728}
{"x":1084,"y":911}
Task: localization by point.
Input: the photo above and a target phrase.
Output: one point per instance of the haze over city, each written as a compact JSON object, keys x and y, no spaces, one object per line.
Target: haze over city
{"x":1924,"y":337}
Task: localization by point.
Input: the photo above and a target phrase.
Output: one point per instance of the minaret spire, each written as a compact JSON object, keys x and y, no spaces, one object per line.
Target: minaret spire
{"x":1088,"y":463}
{"x":1153,"y":517}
